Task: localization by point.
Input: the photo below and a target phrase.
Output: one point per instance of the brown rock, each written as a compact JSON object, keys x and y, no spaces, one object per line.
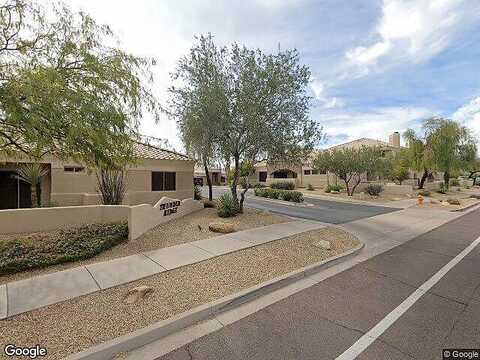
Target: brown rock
{"x":136,"y":294}
{"x":453,"y":201}
{"x":221,"y":227}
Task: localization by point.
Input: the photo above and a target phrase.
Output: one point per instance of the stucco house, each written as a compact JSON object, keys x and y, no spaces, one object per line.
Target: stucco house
{"x":304,"y":174}
{"x":158,"y":173}
{"x":217,"y":175}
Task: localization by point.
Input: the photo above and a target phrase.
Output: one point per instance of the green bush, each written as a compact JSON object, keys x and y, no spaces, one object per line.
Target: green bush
{"x":227,"y":206}
{"x":374,"y":189}
{"x":259,"y":186}
{"x":60,"y":247}
{"x":310,"y":187}
{"x":331,"y":188}
{"x":283,"y":185}
{"x":197,"y":192}
{"x":442,"y":189}
{"x":287,"y":195}
{"x":424,"y":193}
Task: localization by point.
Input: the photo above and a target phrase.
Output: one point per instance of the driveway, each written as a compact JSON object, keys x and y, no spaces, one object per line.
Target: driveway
{"x":332,"y":212}
{"x":410,"y":302}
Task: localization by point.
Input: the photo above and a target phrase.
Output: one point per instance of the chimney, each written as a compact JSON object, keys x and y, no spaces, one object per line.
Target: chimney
{"x":394,"y":139}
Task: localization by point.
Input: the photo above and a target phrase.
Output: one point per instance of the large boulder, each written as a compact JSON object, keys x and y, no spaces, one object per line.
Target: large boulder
{"x":221,"y":227}
{"x":324,"y":244}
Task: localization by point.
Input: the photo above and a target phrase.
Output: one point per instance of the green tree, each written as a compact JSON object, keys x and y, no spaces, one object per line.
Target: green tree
{"x":419,"y":155}
{"x":199,"y":102}
{"x":64,"y":90}
{"x":350,"y":164}
{"x":33,"y":174}
{"x":452,"y":145}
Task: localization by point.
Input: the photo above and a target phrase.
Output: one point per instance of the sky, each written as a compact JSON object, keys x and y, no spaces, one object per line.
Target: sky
{"x":378,"y":66}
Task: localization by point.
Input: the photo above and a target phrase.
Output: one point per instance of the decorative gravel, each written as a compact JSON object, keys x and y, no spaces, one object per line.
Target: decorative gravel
{"x":80,"y":323}
{"x":190,"y":228}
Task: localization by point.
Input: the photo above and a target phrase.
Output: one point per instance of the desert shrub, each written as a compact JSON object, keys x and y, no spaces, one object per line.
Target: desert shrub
{"x":331,"y":188}
{"x":59,"y":247}
{"x":454,"y":182}
{"x":424,"y":193}
{"x":287,"y":195}
{"x":197,"y":192}
{"x":442,"y":189}
{"x":259,"y":186}
{"x":283,"y":185}
{"x":227,"y":206}
{"x":374,"y":189}
{"x":310,"y":187}
{"x":209,"y":204}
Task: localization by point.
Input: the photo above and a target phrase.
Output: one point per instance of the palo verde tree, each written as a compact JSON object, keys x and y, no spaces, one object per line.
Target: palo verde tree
{"x":452,"y":145}
{"x":418,"y":155}
{"x":65,"y":90}
{"x":199,"y":102}
{"x":350,"y":164}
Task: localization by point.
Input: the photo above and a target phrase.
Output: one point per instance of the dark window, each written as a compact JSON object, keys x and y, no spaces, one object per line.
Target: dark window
{"x":307,"y":172}
{"x":73,"y":169}
{"x":314,"y":172}
{"x":163,"y":181}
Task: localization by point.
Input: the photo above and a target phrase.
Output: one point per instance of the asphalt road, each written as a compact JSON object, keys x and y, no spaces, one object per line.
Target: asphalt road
{"x":325,"y":320}
{"x":332,"y":212}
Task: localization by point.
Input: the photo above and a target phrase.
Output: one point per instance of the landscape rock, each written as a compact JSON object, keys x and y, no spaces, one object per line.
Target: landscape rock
{"x":136,"y":294}
{"x":324,"y":244}
{"x":453,"y":201}
{"x":221,"y":227}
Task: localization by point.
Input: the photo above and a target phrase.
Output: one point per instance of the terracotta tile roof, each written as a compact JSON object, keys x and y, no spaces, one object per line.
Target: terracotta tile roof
{"x":151,"y":152}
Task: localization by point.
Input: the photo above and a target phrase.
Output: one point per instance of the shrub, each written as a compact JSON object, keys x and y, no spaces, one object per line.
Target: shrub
{"x":442,"y":189}
{"x":374,"y":189}
{"x":287,"y":195}
{"x":197,"y":192}
{"x":310,"y":187}
{"x":454,"y":182}
{"x":331,"y":188}
{"x":60,"y":247}
{"x":283,"y":185}
{"x":259,"y":186}
{"x":227,"y":206}
{"x":424,"y":193}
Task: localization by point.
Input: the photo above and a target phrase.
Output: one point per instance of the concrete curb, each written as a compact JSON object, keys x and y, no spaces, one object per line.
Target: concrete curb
{"x":141,"y":337}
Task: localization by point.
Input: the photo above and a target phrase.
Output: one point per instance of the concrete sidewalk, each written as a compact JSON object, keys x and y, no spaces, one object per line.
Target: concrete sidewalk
{"x":29,"y":294}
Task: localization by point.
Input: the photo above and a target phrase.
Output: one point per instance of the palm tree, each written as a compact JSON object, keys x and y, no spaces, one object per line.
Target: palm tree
{"x":33,"y":174}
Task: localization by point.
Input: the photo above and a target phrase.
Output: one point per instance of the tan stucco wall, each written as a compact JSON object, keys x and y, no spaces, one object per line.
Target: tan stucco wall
{"x":45,"y":219}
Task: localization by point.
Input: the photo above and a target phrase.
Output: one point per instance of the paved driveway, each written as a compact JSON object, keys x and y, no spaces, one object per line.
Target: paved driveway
{"x":332,"y":212}
{"x":326,"y":319}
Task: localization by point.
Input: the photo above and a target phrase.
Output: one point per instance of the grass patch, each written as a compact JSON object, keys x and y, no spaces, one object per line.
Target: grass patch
{"x":66,"y":245}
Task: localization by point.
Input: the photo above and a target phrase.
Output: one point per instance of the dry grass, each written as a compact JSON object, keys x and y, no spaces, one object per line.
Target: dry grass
{"x":187,"y":229}
{"x":77,"y":324}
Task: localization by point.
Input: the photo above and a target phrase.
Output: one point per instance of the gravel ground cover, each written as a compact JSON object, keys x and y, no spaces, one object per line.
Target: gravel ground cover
{"x":80,"y":323}
{"x":190,"y":228}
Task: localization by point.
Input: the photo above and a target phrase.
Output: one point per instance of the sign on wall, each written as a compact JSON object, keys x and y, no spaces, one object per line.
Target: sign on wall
{"x":170,"y":207}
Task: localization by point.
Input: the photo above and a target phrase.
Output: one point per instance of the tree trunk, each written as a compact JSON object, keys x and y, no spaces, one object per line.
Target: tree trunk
{"x":359,"y":180}
{"x":446,"y":179}
{"x":38,"y":190}
{"x":209,"y":182}
{"x":242,"y":198}
{"x":423,"y":179}
{"x":33,"y":195}
{"x":236,"y":173}
{"x":347,"y":186}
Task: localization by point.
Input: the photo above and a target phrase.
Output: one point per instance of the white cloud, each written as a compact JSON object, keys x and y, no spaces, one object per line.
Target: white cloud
{"x":413,"y":30}
{"x":318,"y":89}
{"x":469,"y":115}
{"x":377,"y":123}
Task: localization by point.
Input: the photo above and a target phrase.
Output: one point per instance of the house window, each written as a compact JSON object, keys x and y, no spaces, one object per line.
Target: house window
{"x":315,"y":172}
{"x":163,"y":181}
{"x":74,"y":169}
{"x":307,"y":172}
{"x":262,"y":176}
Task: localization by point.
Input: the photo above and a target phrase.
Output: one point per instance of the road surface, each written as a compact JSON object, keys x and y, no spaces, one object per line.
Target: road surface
{"x":332,"y":212}
{"x":331,"y":318}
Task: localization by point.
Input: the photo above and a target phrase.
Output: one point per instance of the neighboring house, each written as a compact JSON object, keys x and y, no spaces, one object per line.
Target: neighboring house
{"x":304,"y":174}
{"x":158,"y":173}
{"x":217,"y":176}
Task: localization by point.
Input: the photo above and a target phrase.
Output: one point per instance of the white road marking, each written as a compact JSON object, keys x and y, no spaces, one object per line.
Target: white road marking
{"x":367,"y":339}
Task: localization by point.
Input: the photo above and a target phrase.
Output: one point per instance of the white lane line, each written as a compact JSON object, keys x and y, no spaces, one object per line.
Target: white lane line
{"x":367,"y":339}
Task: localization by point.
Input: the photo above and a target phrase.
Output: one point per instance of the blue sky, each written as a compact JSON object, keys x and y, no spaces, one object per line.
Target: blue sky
{"x":378,"y":66}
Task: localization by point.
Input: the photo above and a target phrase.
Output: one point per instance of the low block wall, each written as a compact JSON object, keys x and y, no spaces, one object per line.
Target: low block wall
{"x":145,"y":217}
{"x":394,"y":189}
{"x":45,"y":219}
